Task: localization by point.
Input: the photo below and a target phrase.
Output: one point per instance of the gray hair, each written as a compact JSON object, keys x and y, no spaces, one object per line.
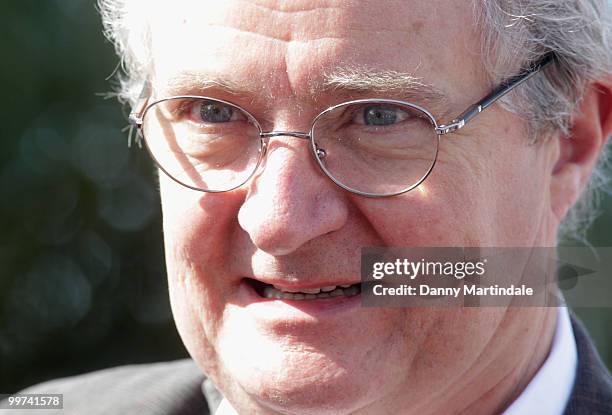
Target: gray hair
{"x":515,"y":33}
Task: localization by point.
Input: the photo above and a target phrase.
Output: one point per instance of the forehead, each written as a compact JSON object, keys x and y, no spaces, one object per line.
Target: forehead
{"x":282,"y":49}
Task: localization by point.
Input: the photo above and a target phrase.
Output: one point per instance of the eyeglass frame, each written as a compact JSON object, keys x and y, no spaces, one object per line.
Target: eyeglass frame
{"x":139,"y":111}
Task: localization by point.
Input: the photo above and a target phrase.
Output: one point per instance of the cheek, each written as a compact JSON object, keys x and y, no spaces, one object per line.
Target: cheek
{"x":493,"y":199}
{"x":437,"y":213}
{"x":514,"y":183}
{"x":197,"y":225}
{"x":196,"y":229}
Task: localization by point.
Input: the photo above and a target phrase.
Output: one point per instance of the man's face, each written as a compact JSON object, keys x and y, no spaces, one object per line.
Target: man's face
{"x":291,"y":226}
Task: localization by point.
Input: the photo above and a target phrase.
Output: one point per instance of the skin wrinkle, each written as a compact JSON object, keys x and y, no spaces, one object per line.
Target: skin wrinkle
{"x":431,"y":327}
{"x":528,"y":368}
{"x":288,"y":10}
{"x":492,"y":390}
{"x":289,"y":40}
{"x":512,"y":371}
{"x":184,"y":281}
{"x":491,"y":363}
{"x":379,"y":90}
{"x":429,"y":407}
{"x":525,"y":372}
{"x":452,"y":386}
{"x":289,"y":36}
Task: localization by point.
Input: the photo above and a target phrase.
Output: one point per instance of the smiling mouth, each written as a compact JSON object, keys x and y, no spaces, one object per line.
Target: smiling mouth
{"x":276,"y":292}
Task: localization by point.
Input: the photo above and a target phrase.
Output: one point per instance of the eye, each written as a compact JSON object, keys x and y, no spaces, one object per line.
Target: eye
{"x":380,"y":115}
{"x":212,"y":112}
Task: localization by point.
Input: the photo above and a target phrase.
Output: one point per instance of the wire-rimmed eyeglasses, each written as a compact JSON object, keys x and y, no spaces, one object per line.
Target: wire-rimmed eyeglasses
{"x":371,"y":147}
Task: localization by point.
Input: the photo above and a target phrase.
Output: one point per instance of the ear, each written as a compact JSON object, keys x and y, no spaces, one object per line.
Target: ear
{"x":589,"y":130}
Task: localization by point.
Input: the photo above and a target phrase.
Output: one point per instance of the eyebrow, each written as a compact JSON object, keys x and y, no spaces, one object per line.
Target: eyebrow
{"x":345,"y":81}
{"x":191,"y":82}
{"x":382,"y":82}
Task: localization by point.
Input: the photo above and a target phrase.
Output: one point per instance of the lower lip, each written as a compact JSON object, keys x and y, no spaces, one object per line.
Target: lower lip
{"x":288,"y":309}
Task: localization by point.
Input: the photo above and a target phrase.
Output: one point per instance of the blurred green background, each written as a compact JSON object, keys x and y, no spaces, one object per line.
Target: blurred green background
{"x":82,"y":275}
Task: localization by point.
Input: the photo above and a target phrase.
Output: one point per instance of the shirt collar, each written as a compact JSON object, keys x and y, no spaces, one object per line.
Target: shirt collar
{"x":225,"y":408}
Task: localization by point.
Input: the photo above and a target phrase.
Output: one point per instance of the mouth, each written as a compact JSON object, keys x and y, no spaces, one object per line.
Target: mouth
{"x":282,"y":301}
{"x":275,"y":291}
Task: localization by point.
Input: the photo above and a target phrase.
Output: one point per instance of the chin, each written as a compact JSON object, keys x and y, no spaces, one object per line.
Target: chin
{"x":333,"y":390}
{"x":291,"y":377}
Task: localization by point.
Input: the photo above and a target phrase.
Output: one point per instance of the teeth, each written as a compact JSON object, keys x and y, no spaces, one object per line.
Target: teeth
{"x":311,"y":293}
{"x":295,"y":290}
{"x":286,"y":290}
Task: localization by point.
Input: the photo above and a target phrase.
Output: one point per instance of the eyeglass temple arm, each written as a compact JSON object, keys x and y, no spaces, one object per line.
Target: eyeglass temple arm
{"x":505,"y":87}
{"x":136,"y":114}
{"x":139,"y":108}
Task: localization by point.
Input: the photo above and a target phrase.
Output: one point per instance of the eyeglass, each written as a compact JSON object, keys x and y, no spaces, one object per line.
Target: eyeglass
{"x":371,"y":147}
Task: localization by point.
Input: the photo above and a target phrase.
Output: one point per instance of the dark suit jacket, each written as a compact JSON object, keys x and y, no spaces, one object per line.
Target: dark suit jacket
{"x":592,"y":393}
{"x":180,"y":388}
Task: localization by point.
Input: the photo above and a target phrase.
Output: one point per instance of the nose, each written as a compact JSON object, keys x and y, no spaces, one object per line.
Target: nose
{"x":290,"y":202}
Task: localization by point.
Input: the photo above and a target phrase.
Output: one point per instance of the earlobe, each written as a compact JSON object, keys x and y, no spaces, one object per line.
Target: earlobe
{"x":577,"y":153}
